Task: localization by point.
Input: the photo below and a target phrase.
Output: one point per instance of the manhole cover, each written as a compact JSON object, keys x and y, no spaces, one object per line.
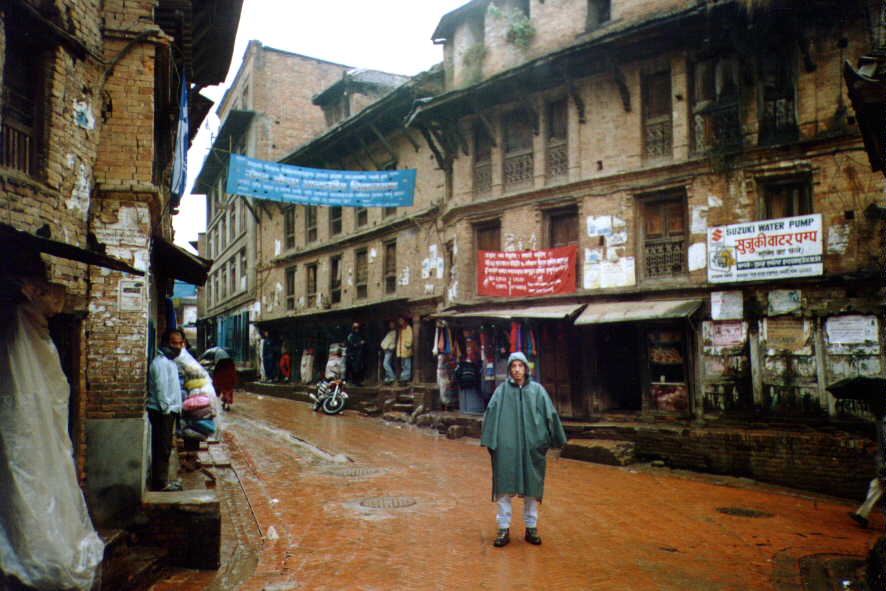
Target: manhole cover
{"x":388,"y":502}
{"x":742,"y":512}
{"x":355,"y":472}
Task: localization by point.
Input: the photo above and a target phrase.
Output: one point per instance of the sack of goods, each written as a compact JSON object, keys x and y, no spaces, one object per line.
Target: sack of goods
{"x":204,"y":426}
{"x":193,"y":403}
{"x":197,"y":379}
{"x":196,"y":414}
{"x":189,"y":433}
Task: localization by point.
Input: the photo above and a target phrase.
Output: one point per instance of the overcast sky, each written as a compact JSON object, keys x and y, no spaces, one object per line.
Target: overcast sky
{"x":389,"y":35}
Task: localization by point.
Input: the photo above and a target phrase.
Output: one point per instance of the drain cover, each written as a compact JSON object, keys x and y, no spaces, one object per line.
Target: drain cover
{"x":388,"y":502}
{"x":742,"y":512}
{"x":355,"y":472}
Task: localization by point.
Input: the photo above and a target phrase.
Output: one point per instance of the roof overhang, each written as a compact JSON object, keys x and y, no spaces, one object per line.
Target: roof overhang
{"x":175,"y":262}
{"x":867,"y":92}
{"x":235,"y":126}
{"x":13,"y":240}
{"x":451,"y":19}
{"x":540,"y":311}
{"x":610,"y":312}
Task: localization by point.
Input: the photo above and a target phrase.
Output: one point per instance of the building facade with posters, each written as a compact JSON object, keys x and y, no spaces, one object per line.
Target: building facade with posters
{"x":708,"y":179}
{"x":266,"y":111}
{"x":90,"y":102}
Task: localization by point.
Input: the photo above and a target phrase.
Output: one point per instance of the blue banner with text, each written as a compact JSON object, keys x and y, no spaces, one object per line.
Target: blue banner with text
{"x":314,"y":186}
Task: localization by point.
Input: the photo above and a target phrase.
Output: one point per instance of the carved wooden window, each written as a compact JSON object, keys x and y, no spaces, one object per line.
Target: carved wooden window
{"x":482,"y":160}
{"x":716,"y":118}
{"x":488,"y":236}
{"x":599,"y":12}
{"x":664,"y":236}
{"x":290,"y":288}
{"x":778,"y":123}
{"x":657,"y":123}
{"x":390,"y":266}
{"x":361,"y":273}
{"x":786,"y":198}
{"x":289,"y":227}
{"x":311,"y":284}
{"x":22,"y":94}
{"x":335,"y":220}
{"x":557,"y":156}
{"x":361,"y":216}
{"x":518,"y":160}
{"x":310,"y":223}
{"x":335,"y":279}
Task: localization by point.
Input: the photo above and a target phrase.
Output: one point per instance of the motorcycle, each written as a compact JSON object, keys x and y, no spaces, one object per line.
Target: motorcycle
{"x":330,"y":396}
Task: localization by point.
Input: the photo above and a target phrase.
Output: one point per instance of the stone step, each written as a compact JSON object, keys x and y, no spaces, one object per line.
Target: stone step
{"x":406,"y":407}
{"x":396,"y":417}
{"x":601,"y":451}
{"x":136,"y":568}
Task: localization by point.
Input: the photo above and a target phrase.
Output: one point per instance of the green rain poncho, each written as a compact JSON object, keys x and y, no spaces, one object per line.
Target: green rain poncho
{"x":519,"y":427}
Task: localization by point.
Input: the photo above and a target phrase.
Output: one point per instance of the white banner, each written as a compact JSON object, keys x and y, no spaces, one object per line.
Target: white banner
{"x":768,"y":249}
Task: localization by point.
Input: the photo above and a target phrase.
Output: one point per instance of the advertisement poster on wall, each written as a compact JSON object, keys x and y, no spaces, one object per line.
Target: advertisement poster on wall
{"x":526,"y":272}
{"x":767,"y":249}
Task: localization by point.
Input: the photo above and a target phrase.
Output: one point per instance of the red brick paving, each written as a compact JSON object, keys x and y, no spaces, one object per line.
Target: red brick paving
{"x":604,"y":528}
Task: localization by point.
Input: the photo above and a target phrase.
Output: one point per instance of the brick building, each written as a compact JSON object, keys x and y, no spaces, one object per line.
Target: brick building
{"x":89,"y":112}
{"x":267,"y":110}
{"x":713,"y":184}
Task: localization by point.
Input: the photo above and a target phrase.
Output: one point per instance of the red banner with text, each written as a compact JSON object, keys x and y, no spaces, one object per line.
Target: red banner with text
{"x":526,"y":272}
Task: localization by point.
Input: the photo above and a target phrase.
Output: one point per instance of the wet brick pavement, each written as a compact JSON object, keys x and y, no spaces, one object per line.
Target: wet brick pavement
{"x":295,"y":518}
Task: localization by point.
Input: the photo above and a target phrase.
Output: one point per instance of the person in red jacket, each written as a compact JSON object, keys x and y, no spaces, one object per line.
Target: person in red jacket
{"x":286,"y":366}
{"x":224,"y":380}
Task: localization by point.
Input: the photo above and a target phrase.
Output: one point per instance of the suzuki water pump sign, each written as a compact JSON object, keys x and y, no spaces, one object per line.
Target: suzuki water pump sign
{"x":768,"y":249}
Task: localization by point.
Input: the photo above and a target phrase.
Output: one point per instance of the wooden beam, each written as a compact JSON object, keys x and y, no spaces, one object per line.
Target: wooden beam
{"x":367,"y":153}
{"x":441,"y":162}
{"x":619,"y":78}
{"x":251,"y":209}
{"x":574,"y":94}
{"x":440,"y":135}
{"x":490,"y":131}
{"x":408,"y":136}
{"x":460,"y":137}
{"x":531,"y":111}
{"x":383,"y":140}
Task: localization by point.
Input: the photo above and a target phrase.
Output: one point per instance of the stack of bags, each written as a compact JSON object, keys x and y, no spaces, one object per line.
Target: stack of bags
{"x":198,"y":408}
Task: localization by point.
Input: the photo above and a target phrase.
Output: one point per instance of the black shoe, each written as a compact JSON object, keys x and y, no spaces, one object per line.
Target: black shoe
{"x":862,"y":521}
{"x":502,"y":539}
{"x":532,"y":536}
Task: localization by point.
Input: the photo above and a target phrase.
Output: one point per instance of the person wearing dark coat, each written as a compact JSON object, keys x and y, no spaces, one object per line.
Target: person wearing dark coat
{"x":519,"y":426}
{"x":354,"y":356}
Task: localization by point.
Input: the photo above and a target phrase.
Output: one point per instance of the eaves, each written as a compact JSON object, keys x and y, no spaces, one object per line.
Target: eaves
{"x":330,"y":312}
{"x":357,"y":237}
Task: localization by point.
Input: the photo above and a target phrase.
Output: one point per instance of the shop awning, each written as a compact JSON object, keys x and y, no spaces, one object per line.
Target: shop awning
{"x":633,"y":311}
{"x":551,"y":311}
{"x":172,"y":261}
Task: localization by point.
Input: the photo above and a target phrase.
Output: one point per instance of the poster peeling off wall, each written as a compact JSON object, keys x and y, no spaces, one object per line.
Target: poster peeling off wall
{"x":784,"y":301}
{"x":724,"y":336}
{"x":727,"y":305}
{"x":852,"y":334}
{"x":787,"y":333}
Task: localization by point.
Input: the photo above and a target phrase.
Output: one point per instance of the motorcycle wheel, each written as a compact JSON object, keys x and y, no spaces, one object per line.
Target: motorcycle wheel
{"x":333,"y":405}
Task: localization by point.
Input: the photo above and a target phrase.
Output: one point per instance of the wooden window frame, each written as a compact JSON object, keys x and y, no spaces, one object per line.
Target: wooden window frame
{"x":311,"y":285}
{"x":335,"y":282}
{"x":335,"y":220}
{"x":599,"y":12}
{"x":310,"y":223}
{"x":22,"y":142}
{"x":802,"y":202}
{"x":361,"y":273}
{"x":556,"y":146}
{"x":654,"y":123}
{"x":390,"y":266}
{"x":361,"y":216}
{"x":669,"y":241}
{"x":289,"y":227}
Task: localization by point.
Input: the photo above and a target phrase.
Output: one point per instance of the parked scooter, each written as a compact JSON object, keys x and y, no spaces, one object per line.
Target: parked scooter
{"x":330,"y":396}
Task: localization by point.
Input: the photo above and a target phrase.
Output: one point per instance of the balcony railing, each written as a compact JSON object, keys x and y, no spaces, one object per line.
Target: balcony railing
{"x":16,"y":147}
{"x":659,"y":139}
{"x":664,"y":258}
{"x":717,"y":128}
{"x":557,"y":161}
{"x":482,"y":177}
{"x":518,"y":170}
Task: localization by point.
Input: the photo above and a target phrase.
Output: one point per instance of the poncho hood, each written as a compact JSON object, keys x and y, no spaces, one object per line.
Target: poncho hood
{"x":518,"y":356}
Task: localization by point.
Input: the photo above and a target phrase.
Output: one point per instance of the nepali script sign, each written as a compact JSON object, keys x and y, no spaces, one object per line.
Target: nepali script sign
{"x":526,"y":272}
{"x":768,"y":249}
{"x":313,"y":186}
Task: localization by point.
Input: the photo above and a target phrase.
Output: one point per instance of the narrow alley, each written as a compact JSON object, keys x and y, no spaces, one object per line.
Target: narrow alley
{"x":347,"y":502}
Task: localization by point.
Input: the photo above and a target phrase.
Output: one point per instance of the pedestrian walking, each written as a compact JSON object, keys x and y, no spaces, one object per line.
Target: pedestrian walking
{"x":285,"y":365}
{"x":164,"y":406}
{"x":404,"y":350}
{"x":875,"y":493}
{"x":388,"y":347}
{"x":519,"y":426}
{"x":224,"y":380}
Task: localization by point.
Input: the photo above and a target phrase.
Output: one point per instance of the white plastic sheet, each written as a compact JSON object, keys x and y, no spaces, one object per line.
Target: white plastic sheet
{"x":46,"y":537}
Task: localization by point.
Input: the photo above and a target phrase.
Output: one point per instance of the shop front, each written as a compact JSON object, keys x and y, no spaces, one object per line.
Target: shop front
{"x":637,"y":357}
{"x":477,"y":342}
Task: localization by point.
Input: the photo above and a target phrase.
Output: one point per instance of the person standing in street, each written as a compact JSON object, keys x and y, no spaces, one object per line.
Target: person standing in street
{"x":354,"y":355}
{"x":519,"y":426}
{"x":404,"y":350}
{"x":164,"y":406}
{"x":388,"y":347}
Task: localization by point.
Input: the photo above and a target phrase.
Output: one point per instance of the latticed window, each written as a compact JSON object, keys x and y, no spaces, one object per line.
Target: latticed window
{"x":482,"y":160}
{"x":599,"y":12}
{"x":361,"y":273}
{"x":778,"y":122}
{"x":335,"y":220}
{"x":657,"y":124}
{"x":664,"y":236}
{"x":557,"y":156}
{"x":786,"y":198}
{"x":310,"y":223}
{"x":289,"y":227}
{"x":715,"y":98}
{"x":20,"y":145}
{"x":311,"y":284}
{"x":290,"y":288}
{"x":335,"y":279}
{"x":518,"y":161}
{"x":390,"y":267}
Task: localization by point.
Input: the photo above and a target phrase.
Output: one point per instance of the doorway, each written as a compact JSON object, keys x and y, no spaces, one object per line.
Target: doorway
{"x":620,"y":362}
